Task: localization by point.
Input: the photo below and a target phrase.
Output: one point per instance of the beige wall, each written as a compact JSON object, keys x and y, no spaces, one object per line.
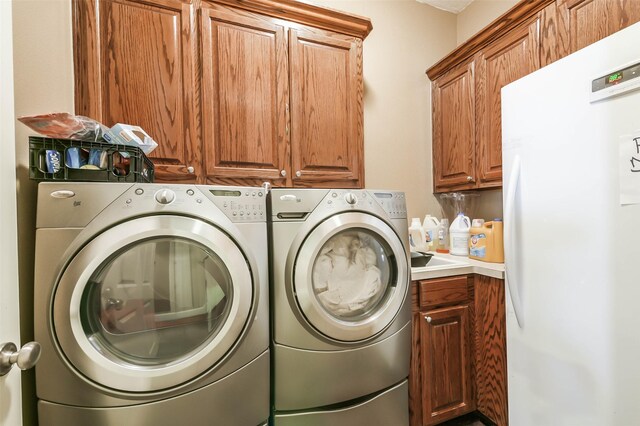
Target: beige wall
{"x":43,"y":79}
{"x":407,"y":38}
{"x":478,"y":14}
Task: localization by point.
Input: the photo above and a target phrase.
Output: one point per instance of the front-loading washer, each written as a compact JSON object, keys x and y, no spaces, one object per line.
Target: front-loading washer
{"x":341,"y":320}
{"x":151,"y":304}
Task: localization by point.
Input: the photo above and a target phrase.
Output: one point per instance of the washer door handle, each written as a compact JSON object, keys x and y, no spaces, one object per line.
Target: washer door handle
{"x":25,"y":358}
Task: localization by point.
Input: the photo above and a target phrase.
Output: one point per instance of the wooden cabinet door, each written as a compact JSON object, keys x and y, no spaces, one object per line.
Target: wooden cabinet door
{"x":446,"y":364}
{"x":491,"y":348}
{"x":584,"y":22}
{"x":134,"y":64}
{"x":326,"y":109}
{"x":510,"y":58}
{"x":454,"y":130}
{"x":244,"y":98}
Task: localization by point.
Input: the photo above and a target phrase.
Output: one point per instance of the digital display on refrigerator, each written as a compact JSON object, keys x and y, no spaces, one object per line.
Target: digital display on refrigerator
{"x":614,"y":78}
{"x":619,"y":76}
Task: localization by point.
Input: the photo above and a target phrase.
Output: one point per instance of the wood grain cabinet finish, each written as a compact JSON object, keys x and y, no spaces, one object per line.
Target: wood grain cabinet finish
{"x":234,"y":91}
{"x":441,"y":379}
{"x":532,"y":34}
{"x":454,"y":129}
{"x":135,"y":63}
{"x":303,"y":126}
{"x":244,"y":97}
{"x":491,"y":349}
{"x":584,"y":22}
{"x":446,"y":364}
{"x":326,"y":109}
{"x":501,"y":63}
{"x":458,"y":355}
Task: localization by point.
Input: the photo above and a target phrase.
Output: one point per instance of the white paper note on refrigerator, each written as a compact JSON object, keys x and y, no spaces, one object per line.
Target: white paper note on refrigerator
{"x":629,"y":168}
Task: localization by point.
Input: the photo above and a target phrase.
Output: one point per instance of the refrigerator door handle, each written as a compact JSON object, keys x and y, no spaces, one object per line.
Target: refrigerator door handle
{"x":511,"y":266}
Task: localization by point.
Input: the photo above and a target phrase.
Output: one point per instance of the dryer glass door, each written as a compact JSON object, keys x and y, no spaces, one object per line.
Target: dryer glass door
{"x":153,"y":303}
{"x":156,"y":301}
{"x":351,"y":276}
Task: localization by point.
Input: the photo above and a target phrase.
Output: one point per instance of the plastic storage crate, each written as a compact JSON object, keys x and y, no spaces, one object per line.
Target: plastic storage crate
{"x":73,"y":160}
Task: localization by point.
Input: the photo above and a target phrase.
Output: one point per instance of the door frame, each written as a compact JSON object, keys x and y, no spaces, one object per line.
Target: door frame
{"x":10,"y":384}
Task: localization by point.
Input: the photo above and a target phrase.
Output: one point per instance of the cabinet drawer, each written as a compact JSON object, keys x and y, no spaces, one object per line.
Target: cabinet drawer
{"x":444,"y":291}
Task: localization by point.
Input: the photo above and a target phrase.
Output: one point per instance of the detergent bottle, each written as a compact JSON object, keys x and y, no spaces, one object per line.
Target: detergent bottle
{"x":430,"y":226}
{"x":417,"y":239}
{"x":459,"y":232}
{"x":486,"y":242}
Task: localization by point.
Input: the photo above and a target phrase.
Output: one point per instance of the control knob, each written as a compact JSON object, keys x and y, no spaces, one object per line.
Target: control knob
{"x":165,"y":196}
{"x":350,"y":198}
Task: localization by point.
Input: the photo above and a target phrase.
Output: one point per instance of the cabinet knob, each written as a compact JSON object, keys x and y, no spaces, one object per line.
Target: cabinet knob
{"x":469,"y":178}
{"x":283,"y":173}
{"x":298,"y":173}
{"x":190,"y":169}
{"x":428,"y":318}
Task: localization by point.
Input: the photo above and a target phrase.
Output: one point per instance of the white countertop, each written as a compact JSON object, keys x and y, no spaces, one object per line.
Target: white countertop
{"x":446,"y":265}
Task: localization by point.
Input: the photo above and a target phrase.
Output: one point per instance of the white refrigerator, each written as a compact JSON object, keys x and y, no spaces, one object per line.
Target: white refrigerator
{"x":571,"y":171}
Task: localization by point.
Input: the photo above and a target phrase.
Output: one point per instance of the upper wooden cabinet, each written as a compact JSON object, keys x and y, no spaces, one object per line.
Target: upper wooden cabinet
{"x":501,"y":63}
{"x":454,"y":129}
{"x":244,"y":97}
{"x":587,"y":21}
{"x":326,"y":88}
{"x":467,"y":125}
{"x":135,"y":63}
{"x":234,"y":91}
{"x":532,"y":34}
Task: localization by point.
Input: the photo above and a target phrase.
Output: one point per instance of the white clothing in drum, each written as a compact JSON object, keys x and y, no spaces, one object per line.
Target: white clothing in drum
{"x":346,"y":277}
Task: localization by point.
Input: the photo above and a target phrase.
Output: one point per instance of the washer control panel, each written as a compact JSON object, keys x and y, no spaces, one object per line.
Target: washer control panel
{"x":241,"y":204}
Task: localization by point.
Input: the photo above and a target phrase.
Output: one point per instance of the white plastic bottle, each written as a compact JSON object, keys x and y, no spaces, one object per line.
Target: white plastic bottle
{"x":416,"y":235}
{"x":459,"y":232}
{"x":430,"y":226}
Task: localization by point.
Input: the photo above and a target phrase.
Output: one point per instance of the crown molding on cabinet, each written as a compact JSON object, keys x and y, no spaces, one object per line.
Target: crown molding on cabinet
{"x":306,"y":14}
{"x":506,"y":22}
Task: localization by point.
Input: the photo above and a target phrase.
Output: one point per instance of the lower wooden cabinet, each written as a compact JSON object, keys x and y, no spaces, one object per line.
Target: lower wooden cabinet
{"x":491,"y":348}
{"x":445,"y":339}
{"x":458,"y":359}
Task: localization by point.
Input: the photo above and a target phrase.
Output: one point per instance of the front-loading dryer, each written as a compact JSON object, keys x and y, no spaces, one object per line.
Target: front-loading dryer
{"x":341,"y":320}
{"x":151,"y":304}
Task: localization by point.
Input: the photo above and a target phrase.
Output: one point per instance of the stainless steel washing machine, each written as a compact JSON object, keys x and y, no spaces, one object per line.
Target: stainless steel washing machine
{"x":151,"y":305}
{"x":341,"y":319}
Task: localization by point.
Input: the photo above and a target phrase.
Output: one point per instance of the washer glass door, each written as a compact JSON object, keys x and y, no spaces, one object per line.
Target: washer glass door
{"x":351,"y":276}
{"x":152,"y":303}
